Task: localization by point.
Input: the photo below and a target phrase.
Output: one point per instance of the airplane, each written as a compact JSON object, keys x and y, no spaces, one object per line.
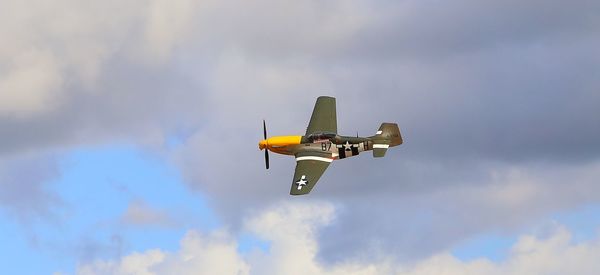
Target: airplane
{"x":321,"y":145}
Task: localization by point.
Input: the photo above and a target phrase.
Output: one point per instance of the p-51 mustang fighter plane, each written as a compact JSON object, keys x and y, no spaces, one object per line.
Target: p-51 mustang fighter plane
{"x":321,"y":145}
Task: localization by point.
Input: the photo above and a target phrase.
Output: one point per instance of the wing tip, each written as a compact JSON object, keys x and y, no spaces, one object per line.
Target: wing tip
{"x":326,"y":97}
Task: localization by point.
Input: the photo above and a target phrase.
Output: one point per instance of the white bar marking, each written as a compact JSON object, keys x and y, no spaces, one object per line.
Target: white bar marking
{"x":380,"y":146}
{"x":314,"y":158}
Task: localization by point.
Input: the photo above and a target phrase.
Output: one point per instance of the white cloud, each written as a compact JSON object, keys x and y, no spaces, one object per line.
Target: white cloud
{"x":167,"y":23}
{"x":50,"y":47}
{"x":291,"y":230}
{"x":199,"y":254}
{"x":289,"y":227}
{"x":32,"y":84}
{"x":136,"y":263}
{"x":555,"y":254}
{"x":205,"y":254}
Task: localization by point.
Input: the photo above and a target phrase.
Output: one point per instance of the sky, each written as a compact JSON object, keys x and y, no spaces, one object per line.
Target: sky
{"x":129,"y":133}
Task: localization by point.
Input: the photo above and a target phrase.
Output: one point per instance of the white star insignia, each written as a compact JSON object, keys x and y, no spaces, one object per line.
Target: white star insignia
{"x":348,"y":146}
{"x":301,"y":182}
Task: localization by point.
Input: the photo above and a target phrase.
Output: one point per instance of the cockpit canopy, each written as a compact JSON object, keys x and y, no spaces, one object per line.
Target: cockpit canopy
{"x":321,"y":136}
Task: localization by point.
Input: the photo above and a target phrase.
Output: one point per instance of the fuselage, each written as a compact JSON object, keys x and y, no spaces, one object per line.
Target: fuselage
{"x":330,"y":145}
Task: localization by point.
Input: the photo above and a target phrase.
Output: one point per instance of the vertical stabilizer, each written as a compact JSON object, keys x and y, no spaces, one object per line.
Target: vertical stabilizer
{"x":387,"y":136}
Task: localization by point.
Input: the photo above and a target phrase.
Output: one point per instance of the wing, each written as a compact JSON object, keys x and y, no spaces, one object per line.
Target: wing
{"x":309,"y":168}
{"x":323,"y":117}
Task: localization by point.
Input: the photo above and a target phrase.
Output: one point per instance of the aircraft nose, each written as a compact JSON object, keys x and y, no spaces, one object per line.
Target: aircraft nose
{"x":262,"y":144}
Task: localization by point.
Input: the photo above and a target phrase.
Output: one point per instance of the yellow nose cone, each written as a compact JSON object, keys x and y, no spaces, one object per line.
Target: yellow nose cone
{"x":280,"y":141}
{"x":262,"y":144}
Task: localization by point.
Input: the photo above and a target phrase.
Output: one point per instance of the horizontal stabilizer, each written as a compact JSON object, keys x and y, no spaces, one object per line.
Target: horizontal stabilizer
{"x":379,"y":152}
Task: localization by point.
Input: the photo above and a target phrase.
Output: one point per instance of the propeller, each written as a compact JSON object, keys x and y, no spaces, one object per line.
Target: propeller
{"x":266,"y":148}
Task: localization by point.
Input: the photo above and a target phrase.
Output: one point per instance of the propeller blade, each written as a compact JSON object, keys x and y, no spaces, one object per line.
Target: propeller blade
{"x":266,"y":149}
{"x":267,"y":158}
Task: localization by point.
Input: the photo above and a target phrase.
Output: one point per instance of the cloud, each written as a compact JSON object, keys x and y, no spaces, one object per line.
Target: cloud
{"x":25,"y":187}
{"x":199,"y":254}
{"x":555,"y":254}
{"x":70,"y":77}
{"x":138,"y":213}
{"x":485,"y":106}
{"x":166,"y":26}
{"x":291,"y":229}
{"x":415,"y":221}
{"x":497,"y":103}
{"x":32,"y":86}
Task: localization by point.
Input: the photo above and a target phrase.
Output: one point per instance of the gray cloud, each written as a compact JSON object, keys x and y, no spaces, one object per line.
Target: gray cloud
{"x":477,"y":98}
{"x":445,"y":208}
{"x":139,"y":213}
{"x":25,"y":191}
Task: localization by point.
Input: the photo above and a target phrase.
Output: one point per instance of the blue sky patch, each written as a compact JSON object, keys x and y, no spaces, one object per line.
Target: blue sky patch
{"x":491,"y":246}
{"x":248,"y":242}
{"x":99,"y":186}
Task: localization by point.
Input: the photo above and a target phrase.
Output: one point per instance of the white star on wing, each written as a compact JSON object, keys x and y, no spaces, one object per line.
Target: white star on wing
{"x":301,"y":182}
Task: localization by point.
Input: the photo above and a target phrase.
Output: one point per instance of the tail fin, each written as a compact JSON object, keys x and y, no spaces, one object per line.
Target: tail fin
{"x":387,"y":136}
